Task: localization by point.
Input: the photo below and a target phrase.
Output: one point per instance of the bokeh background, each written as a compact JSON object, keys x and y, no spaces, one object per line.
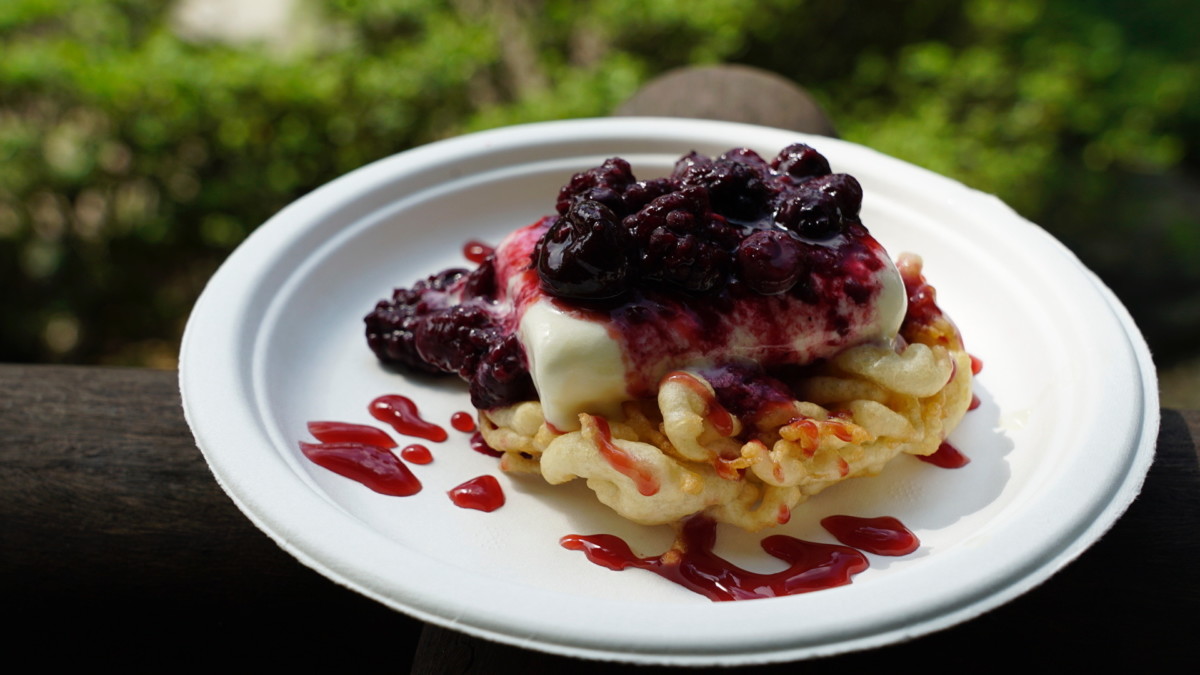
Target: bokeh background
{"x":142,"y":140}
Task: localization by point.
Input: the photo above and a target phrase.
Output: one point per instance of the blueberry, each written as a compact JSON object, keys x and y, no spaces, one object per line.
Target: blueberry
{"x":692,"y":201}
{"x":684,"y":260}
{"x":502,"y":377}
{"x":604,"y":183}
{"x":643,"y":192}
{"x":688,"y":162}
{"x":585,"y":254}
{"x":440,"y":281}
{"x":737,"y":183}
{"x":811,"y":214}
{"x":845,"y":190}
{"x":391,"y":326}
{"x":390,"y":335}
{"x":769,"y":261}
{"x":800,"y":161}
{"x":681,"y":241}
{"x":745,"y":156}
{"x":453,"y":339}
{"x":481,"y":282}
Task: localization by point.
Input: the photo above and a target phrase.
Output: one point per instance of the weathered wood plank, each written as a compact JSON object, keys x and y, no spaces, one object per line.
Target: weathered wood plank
{"x":117,"y":545}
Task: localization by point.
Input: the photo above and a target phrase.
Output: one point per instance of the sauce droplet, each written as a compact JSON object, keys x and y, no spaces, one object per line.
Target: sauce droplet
{"x":345,"y":432}
{"x":482,"y":494}
{"x":463,"y":421}
{"x":692,"y":564}
{"x":975,"y":403}
{"x":376,"y":468}
{"x":417,"y":454}
{"x":922,"y":298}
{"x":476,"y":251}
{"x":946,"y":456}
{"x":727,"y":468}
{"x":714,"y":412}
{"x":625,"y":463}
{"x":480,"y":445}
{"x":401,"y":413}
{"x":882,"y":536}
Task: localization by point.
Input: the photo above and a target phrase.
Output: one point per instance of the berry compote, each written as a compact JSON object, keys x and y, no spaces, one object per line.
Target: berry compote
{"x":727,"y":261}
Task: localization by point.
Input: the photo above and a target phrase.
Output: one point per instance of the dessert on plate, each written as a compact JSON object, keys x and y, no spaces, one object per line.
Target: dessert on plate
{"x":727,"y":340}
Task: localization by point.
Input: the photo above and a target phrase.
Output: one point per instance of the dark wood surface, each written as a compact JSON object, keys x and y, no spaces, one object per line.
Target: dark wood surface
{"x":113,"y":532}
{"x":117,"y":547}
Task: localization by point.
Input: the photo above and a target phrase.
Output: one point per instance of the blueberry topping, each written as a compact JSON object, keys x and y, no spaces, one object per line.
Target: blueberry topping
{"x":736,"y":183}
{"x":391,"y":325}
{"x":687,"y":162}
{"x":440,"y":281}
{"x":502,"y":377}
{"x":585,"y":254}
{"x":682,"y":243}
{"x":687,"y":261}
{"x":769,"y":261}
{"x":843,"y":188}
{"x":716,"y":229}
{"x":481,"y":282}
{"x":682,"y":210}
{"x":800,"y":161}
{"x":811,"y":214}
{"x":605,"y":184}
{"x":453,"y":339}
{"x":641,"y":193}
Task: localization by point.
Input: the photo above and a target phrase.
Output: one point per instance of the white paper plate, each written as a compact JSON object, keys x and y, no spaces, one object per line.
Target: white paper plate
{"x":1058,"y":449}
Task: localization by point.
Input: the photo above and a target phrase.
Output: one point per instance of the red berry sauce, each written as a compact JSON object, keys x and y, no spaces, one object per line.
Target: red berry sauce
{"x":714,"y":412}
{"x":482,"y":494}
{"x":882,"y":536}
{"x":463,"y":421}
{"x":345,"y":432}
{"x":417,"y":454}
{"x":476,"y":251}
{"x":946,"y":456}
{"x":693,"y":565}
{"x":478,"y":444}
{"x":376,"y":468}
{"x":617,"y":458}
{"x":401,"y":413}
{"x":922,"y":298}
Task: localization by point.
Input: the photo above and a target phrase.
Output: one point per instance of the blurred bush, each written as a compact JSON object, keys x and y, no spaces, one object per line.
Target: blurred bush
{"x":133,"y":160}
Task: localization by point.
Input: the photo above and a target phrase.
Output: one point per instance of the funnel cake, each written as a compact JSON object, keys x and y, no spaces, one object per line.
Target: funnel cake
{"x":727,"y":340}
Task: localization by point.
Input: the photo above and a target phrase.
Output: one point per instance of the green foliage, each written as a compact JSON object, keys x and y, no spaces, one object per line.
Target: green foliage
{"x":1076,"y":120}
{"x":132,"y":160}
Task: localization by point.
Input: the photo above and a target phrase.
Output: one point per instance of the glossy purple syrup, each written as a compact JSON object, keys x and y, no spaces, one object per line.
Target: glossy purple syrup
{"x":482,"y":493}
{"x":401,"y":413}
{"x":693,"y":565}
{"x":480,"y":445}
{"x":417,"y":454}
{"x":642,"y":476}
{"x":463,"y":421}
{"x":476,"y":251}
{"x":345,"y":432}
{"x":376,"y":468}
{"x":882,"y":536}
